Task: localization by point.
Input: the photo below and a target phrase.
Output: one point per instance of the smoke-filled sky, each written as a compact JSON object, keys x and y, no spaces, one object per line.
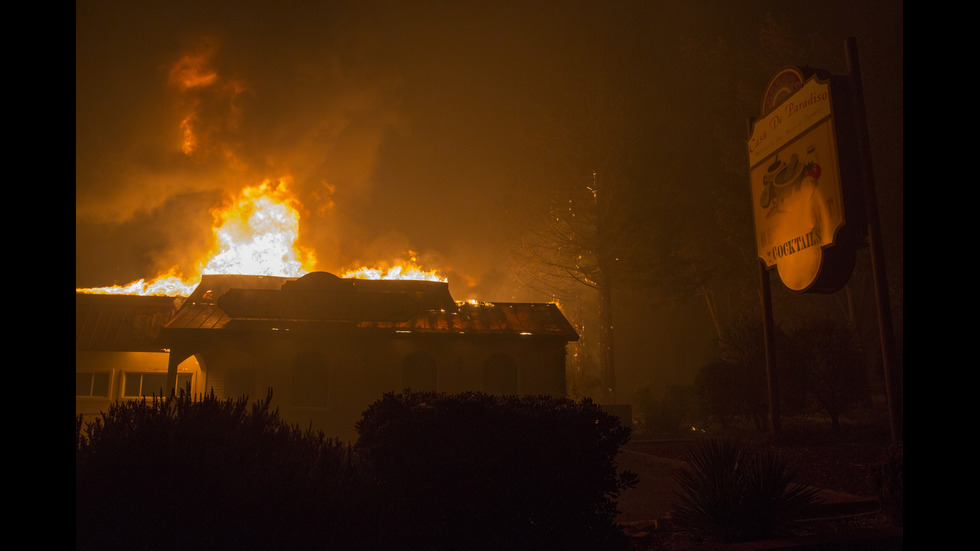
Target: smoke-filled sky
{"x":400,"y":125}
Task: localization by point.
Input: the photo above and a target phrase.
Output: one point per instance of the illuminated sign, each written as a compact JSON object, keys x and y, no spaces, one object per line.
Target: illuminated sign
{"x":795,"y":179}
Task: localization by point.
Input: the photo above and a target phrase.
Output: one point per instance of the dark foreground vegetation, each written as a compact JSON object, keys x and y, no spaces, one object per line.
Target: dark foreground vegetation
{"x":428,"y":471}
{"x":464,"y":471}
{"x":717,"y":503}
{"x":734,"y":492}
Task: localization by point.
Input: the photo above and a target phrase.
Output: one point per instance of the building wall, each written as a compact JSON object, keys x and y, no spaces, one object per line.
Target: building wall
{"x":330,"y":380}
{"x":102,"y":377}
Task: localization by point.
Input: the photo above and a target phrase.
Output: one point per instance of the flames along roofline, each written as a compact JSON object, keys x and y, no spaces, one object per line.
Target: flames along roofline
{"x":438,"y":313}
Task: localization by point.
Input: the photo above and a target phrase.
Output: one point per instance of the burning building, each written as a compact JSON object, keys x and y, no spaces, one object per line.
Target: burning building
{"x":327,"y":346}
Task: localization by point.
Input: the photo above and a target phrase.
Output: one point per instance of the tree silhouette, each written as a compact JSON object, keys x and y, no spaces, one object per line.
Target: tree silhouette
{"x":583,"y":237}
{"x":569,"y":250}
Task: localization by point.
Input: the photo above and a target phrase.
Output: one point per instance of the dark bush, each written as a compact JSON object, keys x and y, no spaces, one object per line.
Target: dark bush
{"x":733,"y":493}
{"x":211,"y":474}
{"x":833,"y":365}
{"x":430,"y":471}
{"x":735,"y":385}
{"x":478,"y":471}
{"x":731,"y":391}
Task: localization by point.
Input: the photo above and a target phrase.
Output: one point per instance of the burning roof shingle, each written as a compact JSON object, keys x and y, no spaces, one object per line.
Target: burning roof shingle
{"x":323,"y":302}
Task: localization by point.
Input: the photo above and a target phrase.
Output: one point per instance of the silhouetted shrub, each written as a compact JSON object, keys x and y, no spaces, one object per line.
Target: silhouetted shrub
{"x":834,"y":369}
{"x":430,"y":471}
{"x":730,"y":391}
{"x":479,"y":471}
{"x":211,"y":474}
{"x":887,"y":478}
{"x":732,"y":493}
{"x":735,"y":386}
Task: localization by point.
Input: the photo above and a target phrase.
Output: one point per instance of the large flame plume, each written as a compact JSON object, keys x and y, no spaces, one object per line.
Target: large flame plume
{"x":256,"y":234}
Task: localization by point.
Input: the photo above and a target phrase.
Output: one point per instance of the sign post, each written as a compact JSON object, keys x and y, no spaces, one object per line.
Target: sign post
{"x":814,"y":202}
{"x":893,"y":378}
{"x":798,"y":199}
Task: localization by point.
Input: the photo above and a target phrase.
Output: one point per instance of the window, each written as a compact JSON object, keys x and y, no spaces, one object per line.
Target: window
{"x":146,"y":384}
{"x":95,"y":384}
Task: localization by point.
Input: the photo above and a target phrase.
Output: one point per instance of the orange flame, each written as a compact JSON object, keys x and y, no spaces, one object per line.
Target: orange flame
{"x":169,"y":285}
{"x":408,"y":269}
{"x":256,"y":235}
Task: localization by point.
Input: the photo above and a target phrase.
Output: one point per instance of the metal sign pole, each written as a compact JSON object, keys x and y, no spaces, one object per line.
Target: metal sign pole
{"x":772,"y":380}
{"x":768,"y":332}
{"x":893,"y":380}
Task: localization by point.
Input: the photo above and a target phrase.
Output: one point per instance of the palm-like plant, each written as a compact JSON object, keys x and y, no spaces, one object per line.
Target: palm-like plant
{"x":732,"y":492}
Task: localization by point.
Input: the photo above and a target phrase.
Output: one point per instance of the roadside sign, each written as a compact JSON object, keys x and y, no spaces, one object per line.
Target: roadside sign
{"x":795,"y":178}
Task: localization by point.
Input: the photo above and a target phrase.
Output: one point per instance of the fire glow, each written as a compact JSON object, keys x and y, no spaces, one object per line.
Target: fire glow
{"x":255,"y":232}
{"x":408,"y":269}
{"x":256,"y":235}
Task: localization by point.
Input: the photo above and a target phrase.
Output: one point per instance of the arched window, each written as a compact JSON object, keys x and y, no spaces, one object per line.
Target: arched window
{"x":500,"y":375}
{"x":419,"y":372}
{"x":310,"y":379}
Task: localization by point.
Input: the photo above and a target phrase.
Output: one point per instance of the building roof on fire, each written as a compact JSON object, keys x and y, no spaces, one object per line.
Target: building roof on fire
{"x":323,"y":302}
